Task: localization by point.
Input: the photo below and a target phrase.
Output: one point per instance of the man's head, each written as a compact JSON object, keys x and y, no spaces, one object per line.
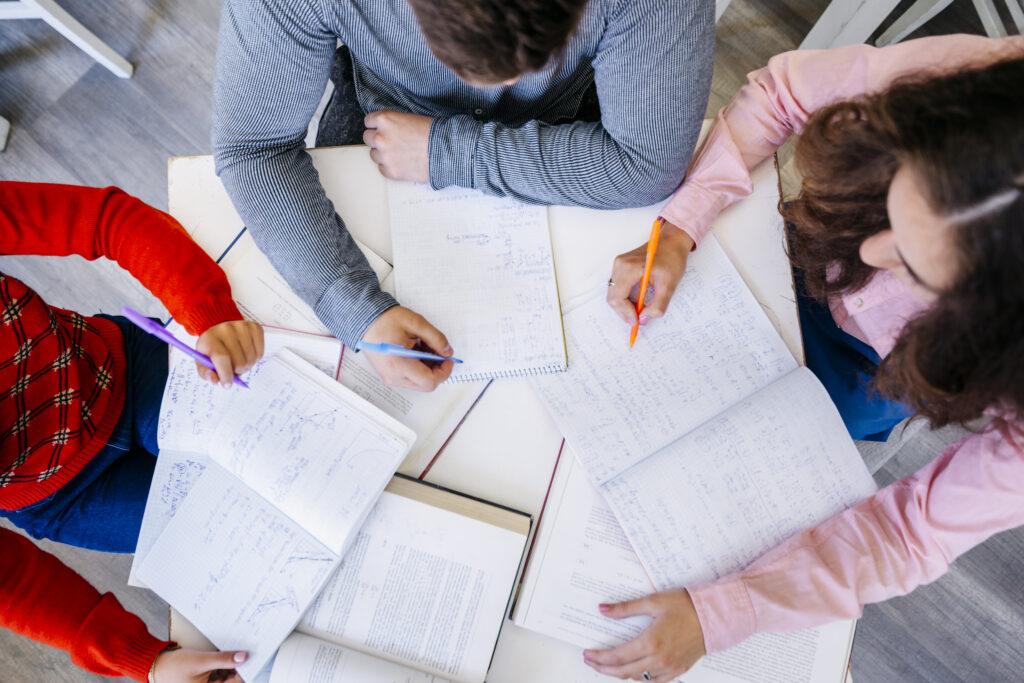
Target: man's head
{"x":487,"y":42}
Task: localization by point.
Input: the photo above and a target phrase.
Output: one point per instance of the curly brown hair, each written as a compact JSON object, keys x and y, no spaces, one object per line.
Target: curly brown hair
{"x":963,"y":135}
{"x":490,"y":41}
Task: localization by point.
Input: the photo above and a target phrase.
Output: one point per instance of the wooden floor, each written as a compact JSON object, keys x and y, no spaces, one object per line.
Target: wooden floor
{"x":75,"y":122}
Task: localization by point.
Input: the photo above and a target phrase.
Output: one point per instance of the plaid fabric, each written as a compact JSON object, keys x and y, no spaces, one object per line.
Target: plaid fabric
{"x":59,"y":406}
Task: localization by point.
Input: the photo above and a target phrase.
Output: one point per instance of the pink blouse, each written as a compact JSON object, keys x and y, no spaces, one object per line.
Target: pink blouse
{"x":908,"y":533}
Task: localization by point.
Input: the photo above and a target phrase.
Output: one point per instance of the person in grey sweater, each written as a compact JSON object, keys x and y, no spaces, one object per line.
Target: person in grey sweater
{"x":582,"y":102}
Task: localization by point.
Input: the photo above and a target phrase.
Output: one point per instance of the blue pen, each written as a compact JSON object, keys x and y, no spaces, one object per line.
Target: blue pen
{"x":396,"y":350}
{"x":160,"y":332}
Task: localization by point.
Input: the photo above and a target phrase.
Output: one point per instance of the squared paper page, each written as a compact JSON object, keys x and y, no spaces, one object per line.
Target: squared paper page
{"x":304,"y":659}
{"x":191,"y":407}
{"x":715,"y":345}
{"x":237,"y":568}
{"x":310,"y":446}
{"x":423,"y":586}
{"x":263,"y":294}
{"x":174,"y":475}
{"x":582,"y":558}
{"x":433,"y":416}
{"x":774,"y":464}
{"x":480,"y":269}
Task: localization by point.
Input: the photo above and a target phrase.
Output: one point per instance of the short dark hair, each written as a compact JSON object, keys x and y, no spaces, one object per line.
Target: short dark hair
{"x":491,"y":41}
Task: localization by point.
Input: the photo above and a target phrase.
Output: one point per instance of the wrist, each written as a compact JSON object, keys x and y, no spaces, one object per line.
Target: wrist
{"x":677,"y":236}
{"x":151,"y":678}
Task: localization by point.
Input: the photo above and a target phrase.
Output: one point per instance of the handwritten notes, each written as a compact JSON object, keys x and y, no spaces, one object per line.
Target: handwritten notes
{"x":772,"y":465}
{"x":315,"y":450}
{"x":480,"y":269}
{"x":174,"y":475}
{"x":236,"y":568}
{"x":714,"y":346}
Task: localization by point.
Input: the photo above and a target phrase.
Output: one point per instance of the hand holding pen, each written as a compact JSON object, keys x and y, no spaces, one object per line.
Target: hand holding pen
{"x":407,"y":351}
{"x":223,"y":351}
{"x":667,"y":266}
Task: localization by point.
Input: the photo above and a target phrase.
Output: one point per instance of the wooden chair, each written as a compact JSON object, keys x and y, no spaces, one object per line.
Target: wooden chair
{"x":52,"y":13}
{"x":846,"y":22}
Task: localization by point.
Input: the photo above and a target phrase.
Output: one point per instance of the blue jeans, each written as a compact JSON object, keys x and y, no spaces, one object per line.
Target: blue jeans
{"x":101,"y":507}
{"x":845,"y":366}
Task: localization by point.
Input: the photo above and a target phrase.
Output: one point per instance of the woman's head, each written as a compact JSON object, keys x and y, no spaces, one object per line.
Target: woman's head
{"x":926,"y":180}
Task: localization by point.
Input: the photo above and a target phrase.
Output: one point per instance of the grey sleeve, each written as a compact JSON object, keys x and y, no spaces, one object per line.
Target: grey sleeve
{"x":273,"y":61}
{"x":653,"y":76}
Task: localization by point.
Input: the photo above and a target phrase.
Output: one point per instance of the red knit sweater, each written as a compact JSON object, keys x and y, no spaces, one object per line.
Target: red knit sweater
{"x":45,"y":600}
{"x":62,"y":391}
{"x":62,"y":374}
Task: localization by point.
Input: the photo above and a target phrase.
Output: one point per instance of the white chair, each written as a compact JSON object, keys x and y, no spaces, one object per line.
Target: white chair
{"x":923,"y":10}
{"x":52,"y":13}
{"x":846,"y":22}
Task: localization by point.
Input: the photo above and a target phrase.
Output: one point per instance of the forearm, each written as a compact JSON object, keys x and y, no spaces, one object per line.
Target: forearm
{"x":47,"y":601}
{"x":279,"y":196}
{"x":904,"y":536}
{"x":652,"y":72}
{"x":568,"y":164}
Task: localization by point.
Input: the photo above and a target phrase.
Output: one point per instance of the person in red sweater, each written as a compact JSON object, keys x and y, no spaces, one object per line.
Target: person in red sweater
{"x":79,"y":405}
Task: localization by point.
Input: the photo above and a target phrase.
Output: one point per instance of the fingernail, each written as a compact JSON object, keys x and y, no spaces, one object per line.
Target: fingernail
{"x":644,"y":319}
{"x":586,"y":655}
{"x":448,"y":351}
{"x":241,"y":657}
{"x":604,"y":607}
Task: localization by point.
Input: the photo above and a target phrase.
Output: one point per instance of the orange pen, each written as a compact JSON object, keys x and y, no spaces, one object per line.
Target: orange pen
{"x":652,"y":249}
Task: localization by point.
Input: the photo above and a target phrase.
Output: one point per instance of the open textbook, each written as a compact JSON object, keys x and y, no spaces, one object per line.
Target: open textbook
{"x":480,"y":268}
{"x":263,"y":295}
{"x":581,"y":558}
{"x":294,"y":464}
{"x":421,"y":595}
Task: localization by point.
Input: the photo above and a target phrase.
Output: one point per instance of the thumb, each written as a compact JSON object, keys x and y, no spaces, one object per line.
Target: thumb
{"x":664,"y":288}
{"x":430,"y":335}
{"x":211,"y":661}
{"x":629,"y":608}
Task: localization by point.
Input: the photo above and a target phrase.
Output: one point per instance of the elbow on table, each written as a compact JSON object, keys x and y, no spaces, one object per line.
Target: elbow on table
{"x":643,"y":189}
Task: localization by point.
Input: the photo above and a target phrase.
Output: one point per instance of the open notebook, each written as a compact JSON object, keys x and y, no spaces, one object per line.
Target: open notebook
{"x":263,"y":295}
{"x":581,"y":558}
{"x":293,"y":465}
{"x":421,"y":595}
{"x":706,"y":440}
{"x":480,"y":268}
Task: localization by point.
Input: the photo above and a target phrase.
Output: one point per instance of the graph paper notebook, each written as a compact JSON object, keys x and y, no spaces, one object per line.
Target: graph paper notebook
{"x":480,"y":269}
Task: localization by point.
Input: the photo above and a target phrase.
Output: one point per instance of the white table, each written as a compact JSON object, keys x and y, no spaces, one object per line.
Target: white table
{"x":493,"y":456}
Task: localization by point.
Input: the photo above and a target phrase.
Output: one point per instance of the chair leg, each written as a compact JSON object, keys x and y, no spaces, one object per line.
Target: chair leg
{"x":915,"y":17}
{"x":990,"y":18}
{"x":1017,"y":13}
{"x":5,"y":128}
{"x":54,"y":15}
{"x":845,"y":22}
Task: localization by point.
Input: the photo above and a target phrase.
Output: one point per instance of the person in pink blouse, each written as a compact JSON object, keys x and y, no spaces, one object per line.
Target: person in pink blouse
{"x":908,"y":245}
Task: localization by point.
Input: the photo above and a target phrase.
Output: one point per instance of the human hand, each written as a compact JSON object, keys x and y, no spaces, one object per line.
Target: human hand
{"x":666,"y":649}
{"x":667,"y":271}
{"x":398,"y":144}
{"x":197,"y":666}
{"x":399,"y":325}
{"x":233,"y":346}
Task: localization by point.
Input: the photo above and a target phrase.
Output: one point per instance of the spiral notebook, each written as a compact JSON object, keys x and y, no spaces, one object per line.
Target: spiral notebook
{"x":479,"y":268}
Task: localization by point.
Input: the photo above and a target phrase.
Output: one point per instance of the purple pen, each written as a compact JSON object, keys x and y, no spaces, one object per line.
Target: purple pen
{"x":158,"y":331}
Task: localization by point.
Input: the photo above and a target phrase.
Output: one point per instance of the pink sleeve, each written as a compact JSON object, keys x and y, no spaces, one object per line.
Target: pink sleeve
{"x":778,"y":100}
{"x":905,"y":535}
